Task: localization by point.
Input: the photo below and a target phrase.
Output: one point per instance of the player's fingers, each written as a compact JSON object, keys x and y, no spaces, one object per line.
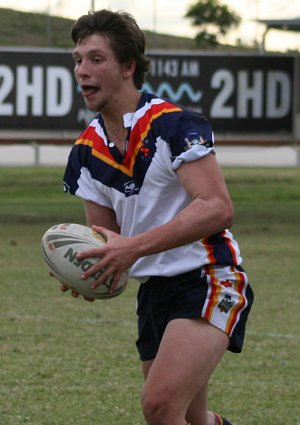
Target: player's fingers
{"x":104,"y":276}
{"x":64,"y":288}
{"x":115,"y":281}
{"x":90,"y":300}
{"x":94,"y":252}
{"x":96,"y":270}
{"x":74,"y":294}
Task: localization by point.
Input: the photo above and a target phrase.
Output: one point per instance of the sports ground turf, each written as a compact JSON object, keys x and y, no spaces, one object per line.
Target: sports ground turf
{"x":68,"y":362}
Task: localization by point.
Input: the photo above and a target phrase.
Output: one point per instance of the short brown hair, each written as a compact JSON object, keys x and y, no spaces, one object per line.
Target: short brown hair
{"x":126,"y":38}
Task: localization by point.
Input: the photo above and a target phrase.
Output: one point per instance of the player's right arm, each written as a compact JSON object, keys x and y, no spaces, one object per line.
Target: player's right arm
{"x":97,"y":215}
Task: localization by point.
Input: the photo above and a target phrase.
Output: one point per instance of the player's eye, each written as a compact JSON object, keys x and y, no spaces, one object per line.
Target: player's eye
{"x":97,"y":59}
{"x":77,"y":61}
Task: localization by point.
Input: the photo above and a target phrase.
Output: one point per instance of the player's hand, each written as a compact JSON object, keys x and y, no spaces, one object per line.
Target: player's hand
{"x":74,"y":293}
{"x":117,"y":255}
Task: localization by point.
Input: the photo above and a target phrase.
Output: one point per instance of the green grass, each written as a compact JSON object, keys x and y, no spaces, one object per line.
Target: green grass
{"x":68,"y":362}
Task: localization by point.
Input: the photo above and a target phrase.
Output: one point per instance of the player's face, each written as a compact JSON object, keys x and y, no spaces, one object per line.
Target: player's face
{"x":98,"y":73}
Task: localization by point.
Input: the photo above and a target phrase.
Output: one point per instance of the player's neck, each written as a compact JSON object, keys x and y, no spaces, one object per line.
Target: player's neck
{"x":114,"y":121}
{"x":117,"y":134}
{"x":125,"y":103}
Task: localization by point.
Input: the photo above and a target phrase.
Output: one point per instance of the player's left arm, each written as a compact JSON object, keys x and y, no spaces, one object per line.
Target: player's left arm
{"x":209,"y":212}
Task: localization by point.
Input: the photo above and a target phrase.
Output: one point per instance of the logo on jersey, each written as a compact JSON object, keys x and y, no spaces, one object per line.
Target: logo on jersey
{"x":146,"y":151}
{"x":67,"y":188}
{"x":194,"y":138}
{"x":130,"y":188}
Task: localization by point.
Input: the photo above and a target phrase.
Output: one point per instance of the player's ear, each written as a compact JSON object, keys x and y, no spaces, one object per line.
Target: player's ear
{"x":129,"y":68}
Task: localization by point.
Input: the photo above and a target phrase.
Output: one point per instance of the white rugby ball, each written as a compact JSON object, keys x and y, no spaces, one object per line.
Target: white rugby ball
{"x":60,"y":245}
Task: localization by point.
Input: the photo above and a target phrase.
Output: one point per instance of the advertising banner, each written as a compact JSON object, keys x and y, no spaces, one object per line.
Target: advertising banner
{"x":237,"y":93}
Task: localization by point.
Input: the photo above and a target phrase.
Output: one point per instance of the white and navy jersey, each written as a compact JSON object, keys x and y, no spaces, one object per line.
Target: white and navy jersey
{"x":142,"y":187}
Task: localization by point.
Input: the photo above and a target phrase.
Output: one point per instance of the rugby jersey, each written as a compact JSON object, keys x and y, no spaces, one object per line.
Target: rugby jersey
{"x":142,"y":187}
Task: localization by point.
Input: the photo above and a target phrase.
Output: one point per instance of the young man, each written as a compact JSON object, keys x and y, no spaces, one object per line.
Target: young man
{"x":146,"y":170}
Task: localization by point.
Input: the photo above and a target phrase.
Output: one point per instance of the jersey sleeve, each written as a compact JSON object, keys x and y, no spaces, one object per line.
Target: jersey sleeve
{"x":191,"y":138}
{"x":78,"y":179}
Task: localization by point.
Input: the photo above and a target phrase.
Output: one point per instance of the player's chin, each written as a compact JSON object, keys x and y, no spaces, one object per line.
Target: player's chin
{"x":93,"y":103}
{"x":92,"y":106}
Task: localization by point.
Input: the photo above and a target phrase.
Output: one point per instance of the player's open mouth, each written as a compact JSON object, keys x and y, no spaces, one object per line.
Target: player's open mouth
{"x":88,"y":91}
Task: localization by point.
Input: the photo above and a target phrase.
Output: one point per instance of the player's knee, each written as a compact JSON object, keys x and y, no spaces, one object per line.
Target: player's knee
{"x":157,"y":407}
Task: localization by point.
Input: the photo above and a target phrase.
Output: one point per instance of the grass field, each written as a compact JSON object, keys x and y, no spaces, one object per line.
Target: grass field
{"x":68,"y":362}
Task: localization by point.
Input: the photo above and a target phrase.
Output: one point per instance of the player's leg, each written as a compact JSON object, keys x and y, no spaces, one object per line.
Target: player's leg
{"x":197,"y":407}
{"x":217,"y":420}
{"x":146,"y":366}
{"x":189,"y":352}
{"x":199,"y":403}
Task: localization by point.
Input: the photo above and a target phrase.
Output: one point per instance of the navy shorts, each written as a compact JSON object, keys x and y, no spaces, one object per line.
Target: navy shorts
{"x":219,"y":294}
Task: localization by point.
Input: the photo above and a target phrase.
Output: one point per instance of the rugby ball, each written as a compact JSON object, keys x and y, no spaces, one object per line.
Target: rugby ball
{"x":60,"y":245}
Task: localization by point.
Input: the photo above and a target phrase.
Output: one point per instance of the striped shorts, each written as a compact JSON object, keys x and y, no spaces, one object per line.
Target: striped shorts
{"x":219,"y":294}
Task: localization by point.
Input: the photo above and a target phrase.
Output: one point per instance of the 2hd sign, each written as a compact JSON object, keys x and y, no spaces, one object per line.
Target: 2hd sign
{"x":237,"y":93}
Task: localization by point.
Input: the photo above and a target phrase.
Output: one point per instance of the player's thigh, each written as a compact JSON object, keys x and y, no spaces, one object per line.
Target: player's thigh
{"x":189,"y":352}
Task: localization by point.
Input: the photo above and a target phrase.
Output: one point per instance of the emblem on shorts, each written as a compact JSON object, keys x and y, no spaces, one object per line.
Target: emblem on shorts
{"x":226,"y":303}
{"x":226,"y":283}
